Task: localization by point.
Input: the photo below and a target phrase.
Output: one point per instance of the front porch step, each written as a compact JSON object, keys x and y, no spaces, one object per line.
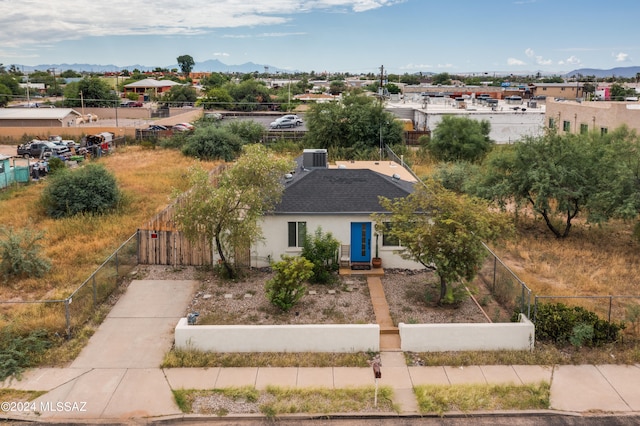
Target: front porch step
{"x":360,"y":266}
{"x":389,"y":330}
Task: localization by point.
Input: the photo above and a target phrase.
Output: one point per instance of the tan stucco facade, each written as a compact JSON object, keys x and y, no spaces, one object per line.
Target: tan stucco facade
{"x":576,"y":117}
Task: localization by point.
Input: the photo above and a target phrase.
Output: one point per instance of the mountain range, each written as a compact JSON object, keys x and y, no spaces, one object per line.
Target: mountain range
{"x":211,"y":65}
{"x":214,"y":65}
{"x":626,"y":72}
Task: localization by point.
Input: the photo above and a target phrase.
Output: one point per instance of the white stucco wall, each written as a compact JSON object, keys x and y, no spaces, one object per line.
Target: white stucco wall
{"x":278,"y":338}
{"x":275,"y":241}
{"x":467,"y":337}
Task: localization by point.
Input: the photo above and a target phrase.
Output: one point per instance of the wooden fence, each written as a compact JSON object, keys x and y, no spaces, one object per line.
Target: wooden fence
{"x":160,"y":242}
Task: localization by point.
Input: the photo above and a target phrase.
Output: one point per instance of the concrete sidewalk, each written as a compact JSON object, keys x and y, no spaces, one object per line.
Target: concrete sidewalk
{"x":117,"y":376}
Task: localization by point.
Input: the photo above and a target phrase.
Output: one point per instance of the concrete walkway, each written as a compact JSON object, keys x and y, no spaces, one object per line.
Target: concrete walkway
{"x":117,"y":375}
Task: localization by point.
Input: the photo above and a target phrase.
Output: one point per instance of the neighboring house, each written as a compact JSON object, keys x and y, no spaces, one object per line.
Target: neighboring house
{"x":150,"y":85}
{"x":340,"y":200}
{"x":558,"y":90}
{"x":37,"y":117}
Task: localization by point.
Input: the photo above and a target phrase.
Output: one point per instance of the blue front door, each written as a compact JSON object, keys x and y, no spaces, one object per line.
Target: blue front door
{"x":360,"y":241}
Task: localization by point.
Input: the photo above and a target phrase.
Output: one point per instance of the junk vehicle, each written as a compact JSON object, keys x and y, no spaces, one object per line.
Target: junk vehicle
{"x":34,"y":149}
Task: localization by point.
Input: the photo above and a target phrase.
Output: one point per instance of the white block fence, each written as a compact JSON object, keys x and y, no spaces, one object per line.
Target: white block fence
{"x":278,"y":338}
{"x":467,"y":337}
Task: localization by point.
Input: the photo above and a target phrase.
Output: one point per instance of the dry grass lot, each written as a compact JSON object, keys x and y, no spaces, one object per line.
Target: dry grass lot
{"x":593,"y":260}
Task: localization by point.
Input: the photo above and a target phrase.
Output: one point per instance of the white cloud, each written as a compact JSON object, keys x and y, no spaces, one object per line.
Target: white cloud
{"x":621,"y":56}
{"x":514,"y":61}
{"x":218,"y":54}
{"x":573,"y":60}
{"x":29,"y":22}
{"x":539,"y":59}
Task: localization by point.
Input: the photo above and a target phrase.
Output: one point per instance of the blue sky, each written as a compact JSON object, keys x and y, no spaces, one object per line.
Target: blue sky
{"x":327,"y":35}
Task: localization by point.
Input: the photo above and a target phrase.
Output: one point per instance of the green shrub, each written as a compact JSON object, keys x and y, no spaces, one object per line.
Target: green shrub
{"x":22,"y":254}
{"x":322,"y":251}
{"x":90,"y":189}
{"x":56,"y":164}
{"x":213,"y":143}
{"x":287,"y":287}
{"x":18,"y":352}
{"x":455,"y":176}
{"x":560,"y":323}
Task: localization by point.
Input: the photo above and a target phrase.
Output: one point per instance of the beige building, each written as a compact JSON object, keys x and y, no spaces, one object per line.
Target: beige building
{"x":557,"y":90}
{"x":37,"y":117}
{"x":582,"y":117}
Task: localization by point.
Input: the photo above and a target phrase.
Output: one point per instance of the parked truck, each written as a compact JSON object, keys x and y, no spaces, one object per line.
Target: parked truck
{"x":34,"y":149}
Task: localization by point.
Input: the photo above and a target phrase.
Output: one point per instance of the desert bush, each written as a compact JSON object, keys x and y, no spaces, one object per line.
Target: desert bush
{"x":90,"y":189}
{"x":22,"y":254}
{"x":321,"y":250}
{"x":213,"y":143}
{"x":18,"y":352}
{"x":559,"y":323}
{"x":287,"y":287}
{"x":56,"y":164}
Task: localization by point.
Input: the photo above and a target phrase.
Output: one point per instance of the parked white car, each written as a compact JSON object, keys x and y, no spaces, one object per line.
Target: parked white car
{"x":289,"y":120}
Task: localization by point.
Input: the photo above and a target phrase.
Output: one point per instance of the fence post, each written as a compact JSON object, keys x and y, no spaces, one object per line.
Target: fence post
{"x":535,"y":308}
{"x":117,"y":266}
{"x":67,"y":315}
{"x":495,"y":267}
{"x":95,"y":291}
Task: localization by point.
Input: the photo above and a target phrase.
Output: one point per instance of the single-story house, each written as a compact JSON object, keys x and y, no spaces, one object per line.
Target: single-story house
{"x":150,"y":85}
{"x":37,"y":117}
{"x":339,"y":199}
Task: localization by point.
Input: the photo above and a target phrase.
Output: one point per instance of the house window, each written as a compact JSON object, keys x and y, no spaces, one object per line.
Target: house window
{"x":297,"y":233}
{"x":584,"y":129}
{"x":604,"y":130}
{"x":566,"y":126}
{"x":552,"y":123}
{"x":387,"y":238}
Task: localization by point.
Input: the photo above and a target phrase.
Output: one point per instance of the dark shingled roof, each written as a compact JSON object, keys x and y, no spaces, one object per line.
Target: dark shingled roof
{"x":339,"y":191}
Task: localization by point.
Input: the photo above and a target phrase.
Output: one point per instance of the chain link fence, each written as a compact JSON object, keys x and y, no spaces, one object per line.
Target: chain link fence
{"x":74,"y":310}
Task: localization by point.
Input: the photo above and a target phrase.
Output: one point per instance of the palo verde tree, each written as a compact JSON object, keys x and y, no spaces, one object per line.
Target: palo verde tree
{"x":443,"y":231}
{"x":228,"y":214}
{"x":560,"y":175}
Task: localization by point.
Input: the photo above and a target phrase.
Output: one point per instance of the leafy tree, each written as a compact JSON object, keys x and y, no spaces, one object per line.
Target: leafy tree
{"x":22,"y":254}
{"x":91,"y":189}
{"x":443,"y":231}
{"x":214,"y":80}
{"x":442,"y":78}
{"x":5,"y":95}
{"x":186,"y":63}
{"x":93,"y":91}
{"x":460,"y":139}
{"x":213,"y":143}
{"x":321,"y":249}
{"x":358,"y":124}
{"x":11,"y":83}
{"x":249,"y":131}
{"x":392,"y":88}
{"x":336,"y":87}
{"x":228,"y":214}
{"x":180,"y":95}
{"x":560,"y":175}
{"x":216,"y":98}
{"x":250,"y":94}
{"x":287,"y":287}
{"x":70,"y":74}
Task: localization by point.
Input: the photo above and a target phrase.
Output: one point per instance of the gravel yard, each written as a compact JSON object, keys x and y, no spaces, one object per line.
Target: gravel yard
{"x":410,"y":295}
